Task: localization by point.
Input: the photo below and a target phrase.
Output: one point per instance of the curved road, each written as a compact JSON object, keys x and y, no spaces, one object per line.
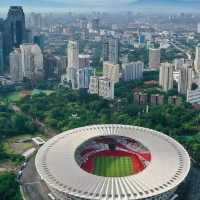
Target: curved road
{"x":32,"y":186}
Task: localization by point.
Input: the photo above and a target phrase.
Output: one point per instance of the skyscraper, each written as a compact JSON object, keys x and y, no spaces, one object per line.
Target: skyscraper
{"x":32,"y":61}
{"x":73,"y":63}
{"x":132,"y":71}
{"x":185,"y":79}
{"x":198,"y":28}
{"x":14,"y":30}
{"x":15,"y":60}
{"x":95,"y":24}
{"x":154,"y":58}
{"x":35,"y":20}
{"x":83,"y":77}
{"x":111,"y":71}
{"x":1,"y":53}
{"x":197,"y":59}
{"x":166,"y":76}
{"x":114,"y":51}
{"x":84,"y":60}
{"x":39,"y":40}
{"x":105,"y":53}
{"x":73,"y":52}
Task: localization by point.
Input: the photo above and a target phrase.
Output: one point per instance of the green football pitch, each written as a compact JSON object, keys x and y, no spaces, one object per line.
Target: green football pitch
{"x":112,"y":166}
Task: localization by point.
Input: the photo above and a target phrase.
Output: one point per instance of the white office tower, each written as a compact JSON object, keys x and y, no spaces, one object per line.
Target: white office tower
{"x":111,"y":71}
{"x":197,"y":59}
{"x":132,"y":71}
{"x":179,"y":62}
{"x":37,"y":62}
{"x":15,"y":60}
{"x":73,"y":54}
{"x":73,"y":64}
{"x":32,"y":61}
{"x":101,"y":86}
{"x":185,"y":79}
{"x":198,"y":28}
{"x":72,"y":77}
{"x":83,"y":77}
{"x":154,"y":58}
{"x":166,"y":76}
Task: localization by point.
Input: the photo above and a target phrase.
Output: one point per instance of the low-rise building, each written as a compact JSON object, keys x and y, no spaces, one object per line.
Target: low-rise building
{"x":156,"y":99}
{"x":140,"y":98}
{"x":193,"y":96}
{"x":175,"y":100}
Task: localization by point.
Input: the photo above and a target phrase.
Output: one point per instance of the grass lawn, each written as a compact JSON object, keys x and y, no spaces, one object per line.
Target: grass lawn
{"x":16,"y":145}
{"x":113,"y":166}
{"x":14,"y":96}
{"x":17,"y":96}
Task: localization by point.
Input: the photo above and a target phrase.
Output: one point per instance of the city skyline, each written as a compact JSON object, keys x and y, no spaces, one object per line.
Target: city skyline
{"x":110,"y":5}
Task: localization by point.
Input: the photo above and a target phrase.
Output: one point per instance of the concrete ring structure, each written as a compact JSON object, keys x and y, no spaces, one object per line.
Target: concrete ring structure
{"x":56,"y":163}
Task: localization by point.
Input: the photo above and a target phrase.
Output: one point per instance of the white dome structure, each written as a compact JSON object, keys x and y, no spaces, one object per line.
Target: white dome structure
{"x":58,"y":164}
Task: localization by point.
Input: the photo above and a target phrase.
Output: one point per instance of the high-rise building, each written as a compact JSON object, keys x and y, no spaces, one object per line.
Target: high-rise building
{"x":39,"y":40}
{"x":14,"y":30}
{"x":141,"y":40}
{"x":179,"y":62}
{"x":111,"y":71}
{"x":50,"y":66}
{"x":114,"y":50}
{"x":36,"y":20}
{"x":105,"y":52}
{"x":197,"y":59}
{"x":101,"y":86}
{"x":15,"y":61}
{"x":95,"y":24}
{"x":106,"y":88}
{"x":28,"y":36}
{"x":84,"y":60}
{"x":185,"y":79}
{"x":94,"y":85}
{"x":198,"y":28}
{"x":32,"y":61}
{"x":72,"y":78}
{"x":166,"y":76}
{"x":73,"y":64}
{"x":72,"y":53}
{"x":154,"y":58}
{"x":83,"y":77}
{"x":132,"y":71}
{"x":1,"y":53}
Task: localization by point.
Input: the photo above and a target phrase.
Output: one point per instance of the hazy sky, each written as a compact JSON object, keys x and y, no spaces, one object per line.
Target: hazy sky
{"x":114,"y":5}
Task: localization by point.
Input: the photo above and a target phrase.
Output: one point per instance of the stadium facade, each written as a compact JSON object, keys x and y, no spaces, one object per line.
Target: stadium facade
{"x":160,"y":164}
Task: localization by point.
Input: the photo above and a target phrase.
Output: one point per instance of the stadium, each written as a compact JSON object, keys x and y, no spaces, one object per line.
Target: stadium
{"x":116,"y":162}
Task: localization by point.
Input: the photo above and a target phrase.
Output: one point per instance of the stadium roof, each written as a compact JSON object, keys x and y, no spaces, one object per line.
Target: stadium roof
{"x":56,"y":164}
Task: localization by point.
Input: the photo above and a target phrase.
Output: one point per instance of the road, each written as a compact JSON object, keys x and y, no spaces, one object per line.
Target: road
{"x":181,"y":50}
{"x":32,"y":186}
